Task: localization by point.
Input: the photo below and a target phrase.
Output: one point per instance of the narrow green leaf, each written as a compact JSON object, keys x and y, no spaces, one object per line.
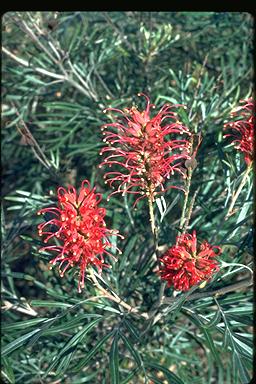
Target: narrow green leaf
{"x":128,"y":248}
{"x":73,"y":343}
{"x":238,"y":364}
{"x":92,"y":352}
{"x":51,"y":304}
{"x":132,"y":350}
{"x":171,"y":377}
{"x":154,"y":379}
{"x":64,"y":364}
{"x":22,"y":324}
{"x":7,"y":371}
{"x":214,"y":321}
{"x":69,"y":324}
{"x":130,"y":376}
{"x":18,"y":342}
{"x":211,"y":345}
{"x":133,"y":331}
{"x":243,"y":348}
{"x":114,"y":361}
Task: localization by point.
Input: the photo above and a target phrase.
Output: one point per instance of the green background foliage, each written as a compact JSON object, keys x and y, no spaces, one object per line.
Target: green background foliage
{"x":59,"y":71}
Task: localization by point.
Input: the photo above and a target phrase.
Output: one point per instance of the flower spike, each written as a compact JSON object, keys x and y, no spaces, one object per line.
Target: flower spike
{"x":143,"y":149}
{"x":187,"y":263}
{"x":78,"y":223}
{"x":242,"y":129}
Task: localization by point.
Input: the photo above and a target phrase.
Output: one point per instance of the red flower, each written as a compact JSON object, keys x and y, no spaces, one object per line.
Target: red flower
{"x":143,"y":148}
{"x":187,"y":263}
{"x":78,"y":223}
{"x":242,"y":129}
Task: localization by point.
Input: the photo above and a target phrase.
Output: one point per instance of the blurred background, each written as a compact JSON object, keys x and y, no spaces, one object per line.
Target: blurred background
{"x":59,"y":71}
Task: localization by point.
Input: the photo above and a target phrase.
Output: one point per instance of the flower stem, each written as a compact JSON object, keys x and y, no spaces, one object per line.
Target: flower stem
{"x":216,"y":292}
{"x":154,"y":230}
{"x":190,"y":209}
{"x":152,"y":217}
{"x":234,"y":198}
{"x":113,"y":297}
{"x":184,"y":209}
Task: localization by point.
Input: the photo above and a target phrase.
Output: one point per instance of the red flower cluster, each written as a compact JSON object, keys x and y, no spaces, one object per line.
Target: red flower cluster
{"x":142,"y":146}
{"x":243,"y":129}
{"x":186,"y":264}
{"x":78,"y":223}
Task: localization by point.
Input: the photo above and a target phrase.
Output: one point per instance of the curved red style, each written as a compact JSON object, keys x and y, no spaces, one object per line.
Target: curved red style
{"x":143,"y":150}
{"x":78,"y":224}
{"x":187,"y":263}
{"x":243,"y":129}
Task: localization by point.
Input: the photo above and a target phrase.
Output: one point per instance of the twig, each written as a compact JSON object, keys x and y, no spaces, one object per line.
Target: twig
{"x":84,"y":88}
{"x":152,"y":220}
{"x":234,"y":198}
{"x":184,"y":208}
{"x":198,"y":85}
{"x":17,"y":307}
{"x":25,"y":63}
{"x":154,"y":230}
{"x":199,"y":295}
{"x":215,"y":292}
{"x":115,"y":297}
{"x":30,"y":140}
{"x":190,"y":210}
{"x":120,"y":33}
{"x":104,"y":85}
{"x":190,"y":164}
{"x":32,"y":35}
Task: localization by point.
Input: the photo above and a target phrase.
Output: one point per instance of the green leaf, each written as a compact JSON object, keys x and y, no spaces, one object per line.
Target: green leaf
{"x":239,"y":348}
{"x":22,"y":324}
{"x":92,"y":352}
{"x":130,"y":376}
{"x":244,"y":349}
{"x":176,"y":306}
{"x":154,"y":379}
{"x":74,"y":322}
{"x":64,"y":364}
{"x":238,"y":364}
{"x":171,"y":377}
{"x":214,"y":321}
{"x":211,"y":345}
{"x":132,"y":350}
{"x":127,"y":250}
{"x":50,"y":304}
{"x":104,"y":307}
{"x":243,"y":319}
{"x":7,"y":371}
{"x":133,"y":331}
{"x":198,"y":322}
{"x":73,"y":342}
{"x":18,"y":342}
{"x":114,"y":361}
{"x":184,"y":116}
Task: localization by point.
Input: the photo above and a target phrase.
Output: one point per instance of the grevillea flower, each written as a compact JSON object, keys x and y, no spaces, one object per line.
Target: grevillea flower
{"x":187,"y":263}
{"x":79,"y":227}
{"x":142,"y":147}
{"x":243,"y":129}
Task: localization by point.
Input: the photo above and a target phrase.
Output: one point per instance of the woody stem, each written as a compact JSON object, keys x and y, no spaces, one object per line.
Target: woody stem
{"x":234,"y":198}
{"x":184,"y":209}
{"x":153,"y":223}
{"x":155,"y":237}
{"x":114,"y":297}
{"x":151,"y":216}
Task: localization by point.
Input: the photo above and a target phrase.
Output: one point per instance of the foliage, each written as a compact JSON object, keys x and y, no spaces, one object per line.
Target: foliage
{"x":60,"y":70}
